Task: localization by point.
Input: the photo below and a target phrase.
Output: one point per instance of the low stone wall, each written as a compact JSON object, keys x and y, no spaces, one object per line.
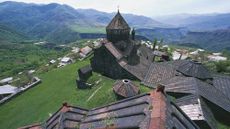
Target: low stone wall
{"x":21,"y":90}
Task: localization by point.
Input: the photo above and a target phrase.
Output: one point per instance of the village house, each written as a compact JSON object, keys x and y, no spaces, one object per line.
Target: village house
{"x":65,"y":61}
{"x":6,"y":80}
{"x":6,"y":90}
{"x":85,"y":51}
{"x":52,"y":61}
{"x":31,"y":71}
{"x":75,"y":49}
{"x":178,"y":55}
{"x":96,"y":44}
{"x":216,"y":57}
{"x":196,"y":52}
{"x":83,"y":75}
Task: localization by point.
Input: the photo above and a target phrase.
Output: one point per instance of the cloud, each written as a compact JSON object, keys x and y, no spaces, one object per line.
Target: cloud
{"x":146,"y":7}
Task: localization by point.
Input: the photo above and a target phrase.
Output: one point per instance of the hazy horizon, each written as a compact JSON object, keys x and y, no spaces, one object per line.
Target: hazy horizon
{"x":149,"y":8}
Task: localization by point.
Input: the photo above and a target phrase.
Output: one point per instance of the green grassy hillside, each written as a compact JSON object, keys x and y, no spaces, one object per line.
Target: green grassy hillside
{"x":18,"y":57}
{"x":58,"y":86}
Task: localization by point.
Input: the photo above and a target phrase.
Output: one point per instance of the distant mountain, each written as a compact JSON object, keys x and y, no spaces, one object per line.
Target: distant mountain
{"x":61,"y":23}
{"x":211,"y":40}
{"x":167,"y":34}
{"x":10,"y":35}
{"x":216,"y":40}
{"x":205,"y":22}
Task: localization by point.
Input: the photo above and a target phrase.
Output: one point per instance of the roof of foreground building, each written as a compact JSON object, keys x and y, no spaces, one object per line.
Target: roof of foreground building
{"x":197,"y":110}
{"x":147,"y":111}
{"x":191,"y":85}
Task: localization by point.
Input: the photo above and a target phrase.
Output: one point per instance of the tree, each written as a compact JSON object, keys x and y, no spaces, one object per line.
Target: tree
{"x":154,"y":44}
{"x":162,"y":40}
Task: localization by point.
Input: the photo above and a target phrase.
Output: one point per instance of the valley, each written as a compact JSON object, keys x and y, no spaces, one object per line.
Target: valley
{"x":67,"y":24}
{"x":67,"y":67}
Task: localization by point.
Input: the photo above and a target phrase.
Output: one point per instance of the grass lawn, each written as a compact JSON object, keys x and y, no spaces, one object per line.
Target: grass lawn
{"x":58,"y":86}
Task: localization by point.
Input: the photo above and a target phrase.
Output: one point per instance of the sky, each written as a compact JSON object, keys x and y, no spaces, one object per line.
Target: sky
{"x":146,"y":7}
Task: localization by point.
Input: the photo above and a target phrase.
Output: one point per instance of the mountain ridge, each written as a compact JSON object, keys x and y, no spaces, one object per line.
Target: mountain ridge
{"x":50,"y":21}
{"x":198,"y":22}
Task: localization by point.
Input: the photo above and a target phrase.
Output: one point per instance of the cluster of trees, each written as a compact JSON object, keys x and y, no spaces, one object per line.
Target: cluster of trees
{"x":19,"y":57}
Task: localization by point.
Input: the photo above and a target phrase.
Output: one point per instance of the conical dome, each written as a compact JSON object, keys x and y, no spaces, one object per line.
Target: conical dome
{"x":118,"y":29}
{"x":125,"y":88}
{"x":118,"y":22}
{"x":194,"y":69}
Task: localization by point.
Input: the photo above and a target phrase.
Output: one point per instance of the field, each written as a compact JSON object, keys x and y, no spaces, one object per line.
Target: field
{"x":19,"y":57}
{"x":87,"y":29}
{"x":57,"y":86}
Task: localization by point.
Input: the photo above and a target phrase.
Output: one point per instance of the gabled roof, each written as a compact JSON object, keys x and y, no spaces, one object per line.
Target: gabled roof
{"x":197,"y":110}
{"x":125,"y":88}
{"x":8,"y":89}
{"x":86,"y":50}
{"x":194,"y":69}
{"x":118,"y":22}
{"x":85,"y":69}
{"x":222,"y":83}
{"x":146,"y":111}
{"x":138,"y":70}
{"x":66,"y":117}
{"x":158,"y":72}
{"x":180,"y":84}
{"x":193,"y":85}
{"x":113,"y":50}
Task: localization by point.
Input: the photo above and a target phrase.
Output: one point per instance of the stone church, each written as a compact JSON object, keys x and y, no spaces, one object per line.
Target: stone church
{"x":121,"y":56}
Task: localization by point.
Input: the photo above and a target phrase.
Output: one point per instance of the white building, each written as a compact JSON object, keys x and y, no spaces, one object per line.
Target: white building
{"x":165,"y":46}
{"x":194,"y":52}
{"x":176,"y":56}
{"x":52,"y":61}
{"x":96,"y":44}
{"x":216,"y":58}
{"x":82,"y":55}
{"x":31,"y":71}
{"x":6,"y":80}
{"x":40,"y":43}
{"x":201,"y":50}
{"x":66,"y":60}
{"x":8,"y":89}
{"x":217,"y":54}
{"x":75,"y":49}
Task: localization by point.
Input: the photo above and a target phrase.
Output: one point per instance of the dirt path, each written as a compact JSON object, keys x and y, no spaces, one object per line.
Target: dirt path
{"x":94,"y":93}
